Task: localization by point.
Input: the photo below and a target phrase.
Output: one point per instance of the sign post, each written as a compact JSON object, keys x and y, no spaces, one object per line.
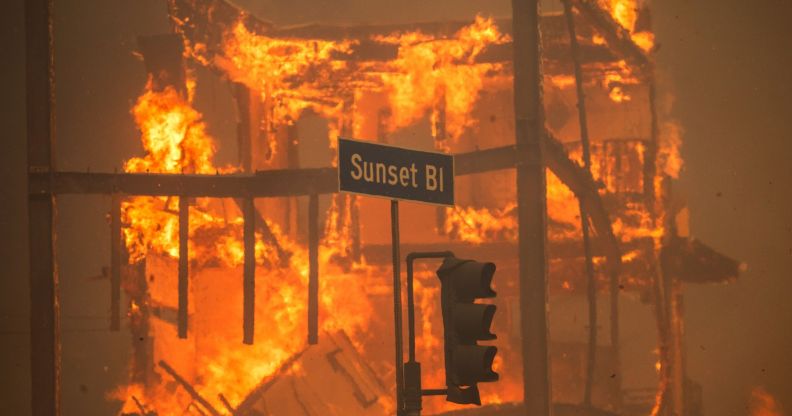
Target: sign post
{"x":396,"y":173}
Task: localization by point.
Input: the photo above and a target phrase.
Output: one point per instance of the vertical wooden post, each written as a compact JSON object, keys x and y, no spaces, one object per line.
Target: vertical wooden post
{"x":591,"y":281}
{"x":293,"y":162}
{"x":676,"y":347}
{"x":115,"y":262}
{"x":45,"y":357}
{"x":244,"y":141}
{"x":184,"y":272}
{"x":383,"y":115}
{"x":650,"y":154}
{"x":441,"y":135}
{"x":313,"y":269}
{"x":249,"y":273}
{"x":532,"y":208}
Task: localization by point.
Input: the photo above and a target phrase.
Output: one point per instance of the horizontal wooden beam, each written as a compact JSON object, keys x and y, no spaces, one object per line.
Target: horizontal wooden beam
{"x":297,"y":182}
{"x":262,"y":184}
{"x":271,"y":183}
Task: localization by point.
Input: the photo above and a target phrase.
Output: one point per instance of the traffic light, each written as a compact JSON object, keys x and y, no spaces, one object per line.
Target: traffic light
{"x":465,"y":323}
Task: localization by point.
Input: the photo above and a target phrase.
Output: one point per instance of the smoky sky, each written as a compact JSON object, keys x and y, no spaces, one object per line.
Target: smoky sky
{"x":726,"y":63}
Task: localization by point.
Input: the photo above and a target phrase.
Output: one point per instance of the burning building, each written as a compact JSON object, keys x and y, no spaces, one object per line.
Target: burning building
{"x":256,"y":288}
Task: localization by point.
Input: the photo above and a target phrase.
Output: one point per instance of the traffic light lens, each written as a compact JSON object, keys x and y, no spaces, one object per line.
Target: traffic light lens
{"x":471,"y":280}
{"x":472,"y":321}
{"x":473,"y":364}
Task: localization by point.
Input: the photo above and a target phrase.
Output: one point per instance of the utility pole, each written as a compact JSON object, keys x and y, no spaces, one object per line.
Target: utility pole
{"x":44,"y":304}
{"x":532,"y":207}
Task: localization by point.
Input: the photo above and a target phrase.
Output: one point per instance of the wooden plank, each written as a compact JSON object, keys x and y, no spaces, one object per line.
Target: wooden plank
{"x":184,"y":273}
{"x":115,"y":262}
{"x":249,"y":272}
{"x":262,"y":184}
{"x":617,"y":37}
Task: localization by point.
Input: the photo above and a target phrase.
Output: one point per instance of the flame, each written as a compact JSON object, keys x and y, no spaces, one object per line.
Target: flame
{"x":430,"y":75}
{"x":479,"y":225}
{"x":762,"y":403}
{"x":429,"y":70}
{"x":174,"y":136}
{"x":670,"y":160}
{"x":625,"y":12}
{"x":289,"y":72}
{"x":615,"y":79}
{"x":175,"y":140}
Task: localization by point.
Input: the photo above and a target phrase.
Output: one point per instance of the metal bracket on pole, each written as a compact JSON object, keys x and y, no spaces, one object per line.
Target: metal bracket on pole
{"x":413,"y":392}
{"x":397,"y":308}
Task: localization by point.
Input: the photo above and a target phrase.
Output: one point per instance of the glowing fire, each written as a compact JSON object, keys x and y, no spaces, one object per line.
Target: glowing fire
{"x":289,"y":72}
{"x":430,"y":73}
{"x":762,"y":403}
{"x":175,"y":141}
{"x":625,"y":12}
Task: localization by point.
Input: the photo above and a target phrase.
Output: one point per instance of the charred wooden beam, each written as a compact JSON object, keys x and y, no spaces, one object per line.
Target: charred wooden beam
{"x":313,"y":269}
{"x":692,"y":261}
{"x":650,"y":154}
{"x":165,"y":313}
{"x":244,"y":142}
{"x":617,"y":37}
{"x":591,"y":282}
{"x":292,"y":226}
{"x":262,"y":184}
{"x":582,"y":184}
{"x":249,"y":278}
{"x":297,"y":182}
{"x":189,"y":388}
{"x":45,"y":357}
{"x":136,"y":287}
{"x":184,"y":272}
{"x":115,"y":262}
{"x":262,"y":226}
{"x":246,"y":407}
{"x":557,"y":159}
{"x":487,"y":160}
{"x":245,"y":150}
{"x":440,"y":137}
{"x":227,"y":404}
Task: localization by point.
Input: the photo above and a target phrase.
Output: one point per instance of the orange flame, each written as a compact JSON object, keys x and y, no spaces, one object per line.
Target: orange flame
{"x":625,"y":12}
{"x":762,"y":403}
{"x":176,"y":141}
{"x":428,"y":70}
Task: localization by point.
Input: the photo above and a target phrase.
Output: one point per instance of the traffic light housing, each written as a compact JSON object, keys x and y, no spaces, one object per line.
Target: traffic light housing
{"x":465,"y":323}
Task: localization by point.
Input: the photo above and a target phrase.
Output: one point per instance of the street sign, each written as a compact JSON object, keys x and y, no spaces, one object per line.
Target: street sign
{"x":395,"y":173}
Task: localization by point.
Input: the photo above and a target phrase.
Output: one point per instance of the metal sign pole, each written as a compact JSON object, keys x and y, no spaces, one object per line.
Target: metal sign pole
{"x":397,"y":307}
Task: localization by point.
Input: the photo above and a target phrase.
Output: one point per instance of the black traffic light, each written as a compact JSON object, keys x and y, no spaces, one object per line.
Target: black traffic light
{"x":465,"y":323}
